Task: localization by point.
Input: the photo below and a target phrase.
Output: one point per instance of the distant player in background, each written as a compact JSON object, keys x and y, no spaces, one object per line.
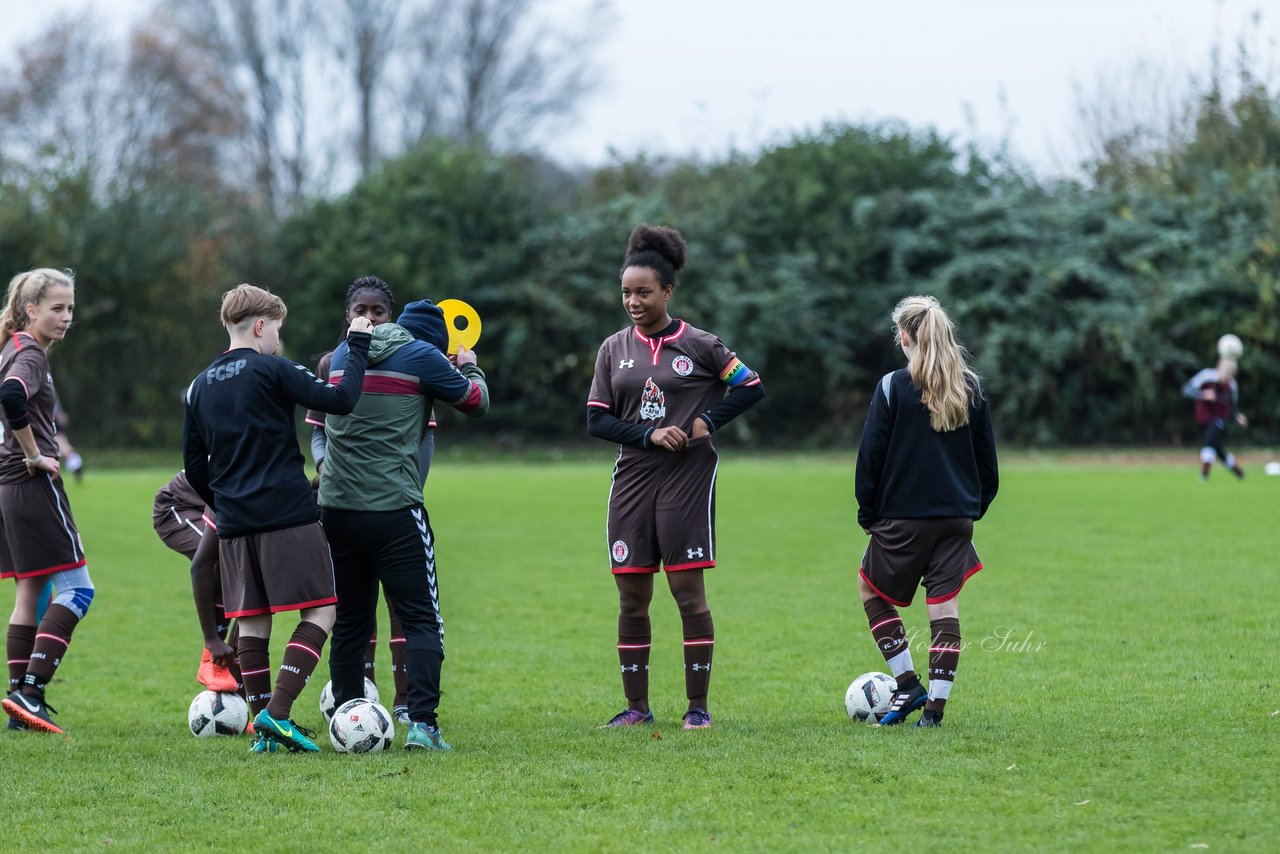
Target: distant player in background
{"x":241,"y":456}
{"x":661,"y":388}
{"x":372,"y":508}
{"x":926,"y":471}
{"x":371,"y":297}
{"x":38,"y":537}
{"x":71,"y":459}
{"x":182,"y":520}
{"x":1217,"y":401}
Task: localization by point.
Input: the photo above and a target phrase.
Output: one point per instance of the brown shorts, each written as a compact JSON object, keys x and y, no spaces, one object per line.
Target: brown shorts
{"x":904,"y":552}
{"x":179,"y":528}
{"x":662,"y":509}
{"x":38,"y":535}
{"x":286,"y":570}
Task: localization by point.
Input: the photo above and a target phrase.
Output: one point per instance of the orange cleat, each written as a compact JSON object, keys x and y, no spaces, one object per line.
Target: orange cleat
{"x":31,"y":711}
{"x":215,"y":678}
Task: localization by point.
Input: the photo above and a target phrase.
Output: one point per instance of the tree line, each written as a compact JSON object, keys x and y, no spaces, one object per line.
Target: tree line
{"x":1086,"y":303}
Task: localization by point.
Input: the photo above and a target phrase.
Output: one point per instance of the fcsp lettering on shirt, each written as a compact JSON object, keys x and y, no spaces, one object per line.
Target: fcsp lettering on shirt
{"x":224,"y":372}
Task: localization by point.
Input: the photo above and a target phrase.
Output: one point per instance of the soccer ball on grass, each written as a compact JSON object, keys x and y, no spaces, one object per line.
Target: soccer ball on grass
{"x":212,"y":713}
{"x":868,"y":697}
{"x":361,"y":726}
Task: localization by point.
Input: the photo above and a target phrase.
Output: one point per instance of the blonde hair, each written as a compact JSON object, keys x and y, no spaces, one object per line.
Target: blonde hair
{"x":939,"y":366}
{"x":245,"y":302}
{"x":27,"y":289}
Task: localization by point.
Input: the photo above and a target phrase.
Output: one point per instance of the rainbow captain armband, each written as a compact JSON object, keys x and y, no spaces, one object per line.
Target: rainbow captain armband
{"x":735,"y":373}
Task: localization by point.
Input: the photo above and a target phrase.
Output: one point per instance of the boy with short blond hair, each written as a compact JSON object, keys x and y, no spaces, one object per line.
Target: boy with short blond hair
{"x":241,"y":454}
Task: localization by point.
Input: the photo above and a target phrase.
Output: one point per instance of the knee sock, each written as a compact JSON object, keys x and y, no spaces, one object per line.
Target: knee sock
{"x":891,"y":638}
{"x":301,"y":655}
{"x":635,"y":639}
{"x":53,"y":636}
{"x":21,"y":640}
{"x":944,"y":656}
{"x":1230,"y":462}
{"x":699,"y":643}
{"x":255,"y":671}
{"x":1207,"y":456}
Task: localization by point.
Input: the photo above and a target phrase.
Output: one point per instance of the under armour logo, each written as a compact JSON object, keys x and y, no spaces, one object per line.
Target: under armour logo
{"x":633,"y":668}
{"x":626,"y":363}
{"x":696,"y":666}
{"x":695,"y":553}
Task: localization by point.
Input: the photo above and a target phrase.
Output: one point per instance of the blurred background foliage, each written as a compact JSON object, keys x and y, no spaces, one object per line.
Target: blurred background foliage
{"x":169,"y":168}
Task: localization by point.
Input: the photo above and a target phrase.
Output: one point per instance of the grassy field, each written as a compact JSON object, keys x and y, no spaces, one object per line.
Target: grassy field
{"x":1117,"y":689}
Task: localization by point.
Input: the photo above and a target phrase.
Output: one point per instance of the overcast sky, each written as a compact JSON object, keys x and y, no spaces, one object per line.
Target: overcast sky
{"x":701,"y":76}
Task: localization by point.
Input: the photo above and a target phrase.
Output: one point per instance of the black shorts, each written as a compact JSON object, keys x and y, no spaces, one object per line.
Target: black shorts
{"x":38,"y":535}
{"x":286,"y":570}
{"x":662,"y":509}
{"x":1215,"y":435}
{"x":904,"y":552}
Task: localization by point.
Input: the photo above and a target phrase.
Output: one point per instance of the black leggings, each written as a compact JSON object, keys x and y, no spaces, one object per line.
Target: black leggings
{"x":396,"y":548}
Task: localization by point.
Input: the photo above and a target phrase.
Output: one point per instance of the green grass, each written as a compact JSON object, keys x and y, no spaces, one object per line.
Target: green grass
{"x":1136,"y":711}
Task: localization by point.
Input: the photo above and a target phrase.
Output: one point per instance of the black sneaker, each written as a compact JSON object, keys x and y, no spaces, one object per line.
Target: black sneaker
{"x":903,"y":703}
{"x":15,"y":724}
{"x":32,"y":711}
{"x":929,"y":719}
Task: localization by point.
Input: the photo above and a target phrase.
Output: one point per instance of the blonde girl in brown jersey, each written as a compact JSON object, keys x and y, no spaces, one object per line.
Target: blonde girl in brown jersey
{"x":38,"y":537}
{"x":926,"y":471}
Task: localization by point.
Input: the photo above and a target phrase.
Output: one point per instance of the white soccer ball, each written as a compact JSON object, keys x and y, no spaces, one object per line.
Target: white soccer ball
{"x":327,"y":704}
{"x":361,"y":726}
{"x":868,"y":697}
{"x":1272,"y":468}
{"x":212,"y":713}
{"x":1230,"y":346}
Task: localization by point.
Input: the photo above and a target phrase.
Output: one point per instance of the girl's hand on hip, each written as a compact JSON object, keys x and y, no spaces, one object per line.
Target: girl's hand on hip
{"x":669,"y":439}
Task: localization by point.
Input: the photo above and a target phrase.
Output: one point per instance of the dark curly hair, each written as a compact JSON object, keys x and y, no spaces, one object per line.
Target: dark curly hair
{"x":659,"y":248}
{"x":369,"y":283}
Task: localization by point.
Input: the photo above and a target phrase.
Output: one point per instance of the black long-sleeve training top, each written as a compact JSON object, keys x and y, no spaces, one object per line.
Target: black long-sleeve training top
{"x":240,"y":444}
{"x":908,"y":470}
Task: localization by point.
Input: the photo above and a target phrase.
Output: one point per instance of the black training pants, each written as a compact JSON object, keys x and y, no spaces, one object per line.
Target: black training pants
{"x":396,"y":548}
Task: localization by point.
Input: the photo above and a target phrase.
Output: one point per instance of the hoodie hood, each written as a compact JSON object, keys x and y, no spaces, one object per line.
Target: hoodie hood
{"x":387,"y":338}
{"x":425,"y":321}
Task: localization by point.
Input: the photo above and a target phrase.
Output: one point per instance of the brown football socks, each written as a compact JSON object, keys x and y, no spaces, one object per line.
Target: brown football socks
{"x":21,"y":640}
{"x":699,"y":643}
{"x":944,"y":656}
{"x":891,"y":637}
{"x":53,"y":636}
{"x":635,"y":638}
{"x":301,"y":655}
{"x":255,"y":671}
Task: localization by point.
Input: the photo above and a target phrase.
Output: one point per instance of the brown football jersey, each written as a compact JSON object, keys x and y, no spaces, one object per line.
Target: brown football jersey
{"x":25,"y":361}
{"x":666,"y":381}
